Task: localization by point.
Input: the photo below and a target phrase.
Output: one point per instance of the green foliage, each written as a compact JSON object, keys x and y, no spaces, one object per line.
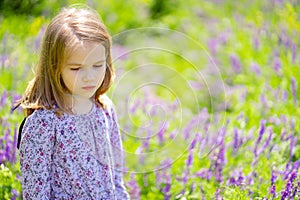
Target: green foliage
{"x":17,"y":7}
{"x":10,"y":186}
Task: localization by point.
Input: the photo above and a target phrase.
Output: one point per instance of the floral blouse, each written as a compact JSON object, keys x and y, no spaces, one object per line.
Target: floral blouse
{"x":72,"y":157}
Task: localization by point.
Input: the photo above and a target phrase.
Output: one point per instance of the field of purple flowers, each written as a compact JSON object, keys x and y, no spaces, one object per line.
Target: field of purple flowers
{"x":207,"y":96}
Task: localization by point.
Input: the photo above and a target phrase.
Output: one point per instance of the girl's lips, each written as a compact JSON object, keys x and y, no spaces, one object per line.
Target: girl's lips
{"x":88,"y":87}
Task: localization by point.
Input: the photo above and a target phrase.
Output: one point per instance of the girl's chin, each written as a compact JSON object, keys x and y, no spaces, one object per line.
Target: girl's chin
{"x":76,"y":97}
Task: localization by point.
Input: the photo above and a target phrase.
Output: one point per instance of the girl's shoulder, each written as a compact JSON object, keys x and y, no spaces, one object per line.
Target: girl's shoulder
{"x":109,"y":106}
{"x":43,"y":115}
{"x":38,"y":120}
{"x":106,"y":100}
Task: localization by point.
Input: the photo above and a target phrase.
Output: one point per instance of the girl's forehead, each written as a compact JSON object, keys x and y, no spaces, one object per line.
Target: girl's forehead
{"x":85,"y":53}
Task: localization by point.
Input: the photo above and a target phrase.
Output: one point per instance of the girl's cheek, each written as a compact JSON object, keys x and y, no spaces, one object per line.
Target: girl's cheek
{"x":100,"y":71}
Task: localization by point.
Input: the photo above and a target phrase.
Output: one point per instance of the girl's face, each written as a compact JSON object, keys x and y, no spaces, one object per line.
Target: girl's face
{"x":84,"y":69}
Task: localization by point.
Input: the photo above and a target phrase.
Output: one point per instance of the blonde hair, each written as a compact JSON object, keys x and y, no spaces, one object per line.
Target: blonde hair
{"x":70,"y":26}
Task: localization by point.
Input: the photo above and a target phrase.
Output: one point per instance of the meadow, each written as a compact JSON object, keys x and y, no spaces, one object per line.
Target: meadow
{"x":207,"y":94}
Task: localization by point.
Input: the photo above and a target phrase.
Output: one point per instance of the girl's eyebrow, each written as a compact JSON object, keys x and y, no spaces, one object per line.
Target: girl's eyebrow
{"x":79,"y":64}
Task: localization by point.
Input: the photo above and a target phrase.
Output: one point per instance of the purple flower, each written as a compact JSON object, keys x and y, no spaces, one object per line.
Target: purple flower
{"x":274,"y":120}
{"x":161,"y":132}
{"x":188,"y":129}
{"x":7,"y":151}
{"x":10,"y":146}
{"x":284,"y":119}
{"x":284,"y":95}
{"x":185,"y":176}
{"x":294,"y":90}
{"x":277,"y":65}
{"x":119,"y":53}
{"x":293,"y":123}
{"x":273,"y":177}
{"x":14,"y":194}
{"x":192,"y":187}
{"x":296,"y":165}
{"x":135,"y":106}
{"x":3,"y":59}
{"x":37,"y":42}
{"x":268,"y":140}
{"x":223,"y":37}
{"x":278,"y":2}
{"x":256,"y":42}
{"x":202,"y":193}
{"x":194,"y":141}
{"x":237,"y":178}
{"x":241,"y":178}
{"x":294,"y":51}
{"x":276,"y":93}
{"x":217,"y":194}
{"x":145,"y":180}
{"x":263,"y":100}
{"x":293,"y":143}
{"x":189,"y":161}
{"x":195,"y":85}
{"x":284,"y":39}
{"x":173,"y":106}
{"x":273,"y":187}
{"x":220,"y":163}
{"x":204,"y":173}
{"x":173,"y":134}
{"x":4,"y":40}
{"x":145,"y":143}
{"x":282,"y":135}
{"x":287,"y":171}
{"x":260,"y":134}
{"x":2,"y":156}
{"x":3,"y":98}
{"x":194,"y":123}
{"x":273,"y":191}
{"x":288,"y":192}
{"x":236,"y":142}
{"x":163,"y":178}
{"x":166,"y":189}
{"x":166,"y":163}
{"x":255,"y":68}
{"x":134,"y":189}
{"x":235,"y":62}
{"x":250,"y":177}
{"x":212,"y":45}
{"x":141,"y":159}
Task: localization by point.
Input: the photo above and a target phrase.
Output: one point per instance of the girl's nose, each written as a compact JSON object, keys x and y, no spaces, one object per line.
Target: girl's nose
{"x":88,"y":76}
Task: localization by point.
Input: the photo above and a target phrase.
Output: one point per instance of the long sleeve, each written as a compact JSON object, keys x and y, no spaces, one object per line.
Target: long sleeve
{"x":38,"y":137}
{"x":118,"y":159}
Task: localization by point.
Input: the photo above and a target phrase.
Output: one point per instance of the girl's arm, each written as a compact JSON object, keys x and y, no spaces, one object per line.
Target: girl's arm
{"x":117,"y":150}
{"x":36,"y":148}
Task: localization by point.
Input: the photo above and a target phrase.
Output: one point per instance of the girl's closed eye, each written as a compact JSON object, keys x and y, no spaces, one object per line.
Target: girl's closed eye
{"x":75,"y":68}
{"x":98,"y":65}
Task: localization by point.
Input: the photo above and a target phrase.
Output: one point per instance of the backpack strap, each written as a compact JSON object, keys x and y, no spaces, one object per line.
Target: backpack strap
{"x":20,"y":132}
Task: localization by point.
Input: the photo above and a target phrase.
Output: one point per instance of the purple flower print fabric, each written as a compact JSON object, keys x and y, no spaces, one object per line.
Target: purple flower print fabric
{"x":72,"y":157}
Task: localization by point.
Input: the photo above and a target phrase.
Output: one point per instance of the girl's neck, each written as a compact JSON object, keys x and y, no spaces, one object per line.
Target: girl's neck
{"x":80,"y":105}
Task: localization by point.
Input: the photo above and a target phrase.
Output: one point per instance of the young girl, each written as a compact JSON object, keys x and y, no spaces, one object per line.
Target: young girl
{"x":71,"y":146}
